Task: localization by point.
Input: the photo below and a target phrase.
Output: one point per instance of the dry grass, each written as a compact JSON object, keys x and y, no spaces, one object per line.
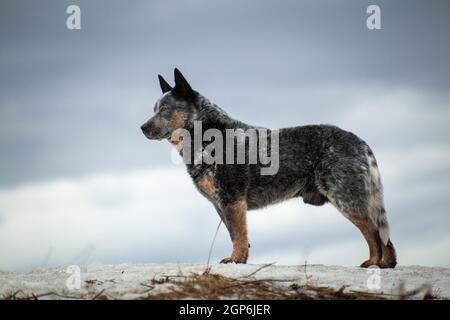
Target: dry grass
{"x":214,"y":286}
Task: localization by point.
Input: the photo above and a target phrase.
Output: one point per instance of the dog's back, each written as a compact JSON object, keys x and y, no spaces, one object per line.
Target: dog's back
{"x":306,"y":154}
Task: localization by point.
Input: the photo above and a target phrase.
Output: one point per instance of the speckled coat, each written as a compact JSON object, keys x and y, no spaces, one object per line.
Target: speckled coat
{"x":318,"y":163}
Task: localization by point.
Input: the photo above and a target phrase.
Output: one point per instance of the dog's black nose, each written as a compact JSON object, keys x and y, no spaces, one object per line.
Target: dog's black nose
{"x":143,"y":128}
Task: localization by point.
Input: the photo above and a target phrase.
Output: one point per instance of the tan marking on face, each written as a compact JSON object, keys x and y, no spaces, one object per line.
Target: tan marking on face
{"x":240,"y":243}
{"x":207,"y":185}
{"x":176,"y":139}
{"x":179,"y":118}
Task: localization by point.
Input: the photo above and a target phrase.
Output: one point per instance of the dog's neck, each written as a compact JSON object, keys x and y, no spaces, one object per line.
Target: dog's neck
{"x":210,"y":113}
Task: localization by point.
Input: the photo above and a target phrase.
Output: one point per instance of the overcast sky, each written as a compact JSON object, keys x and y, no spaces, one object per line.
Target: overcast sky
{"x":79,"y":183}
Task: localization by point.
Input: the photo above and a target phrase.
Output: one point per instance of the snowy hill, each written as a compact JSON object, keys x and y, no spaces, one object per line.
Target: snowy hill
{"x":149,"y":281}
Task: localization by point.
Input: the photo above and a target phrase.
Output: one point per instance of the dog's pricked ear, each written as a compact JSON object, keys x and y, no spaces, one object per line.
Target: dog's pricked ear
{"x":182,"y":87}
{"x":165,"y":87}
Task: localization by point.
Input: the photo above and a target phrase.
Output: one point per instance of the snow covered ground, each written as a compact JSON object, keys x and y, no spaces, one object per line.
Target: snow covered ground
{"x":134,"y":281}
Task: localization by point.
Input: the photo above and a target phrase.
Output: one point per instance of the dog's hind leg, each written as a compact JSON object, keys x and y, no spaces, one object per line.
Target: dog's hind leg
{"x":351,"y":182}
{"x":370,"y":232}
{"x":378,"y":214}
{"x":375,"y":233}
{"x":375,"y":230}
{"x":234,"y":217}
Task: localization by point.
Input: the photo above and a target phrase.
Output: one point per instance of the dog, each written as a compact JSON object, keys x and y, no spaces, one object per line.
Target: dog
{"x":318,"y":163}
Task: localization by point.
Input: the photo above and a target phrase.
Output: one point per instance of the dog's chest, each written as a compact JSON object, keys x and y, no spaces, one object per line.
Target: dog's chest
{"x":205,"y":180}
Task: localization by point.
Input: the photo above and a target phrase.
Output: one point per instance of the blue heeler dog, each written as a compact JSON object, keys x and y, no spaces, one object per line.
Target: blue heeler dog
{"x":320,"y":163}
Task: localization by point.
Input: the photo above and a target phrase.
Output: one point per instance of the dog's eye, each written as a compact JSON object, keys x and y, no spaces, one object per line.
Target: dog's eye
{"x":162,"y":108}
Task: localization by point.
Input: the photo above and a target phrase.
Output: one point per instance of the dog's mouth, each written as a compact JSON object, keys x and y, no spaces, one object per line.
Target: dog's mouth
{"x":156,"y":136}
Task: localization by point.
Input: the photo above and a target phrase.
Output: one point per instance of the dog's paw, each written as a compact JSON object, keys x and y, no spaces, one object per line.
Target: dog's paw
{"x":387,"y":264}
{"x":232,"y":260}
{"x":369,"y":263}
{"x":226,"y":260}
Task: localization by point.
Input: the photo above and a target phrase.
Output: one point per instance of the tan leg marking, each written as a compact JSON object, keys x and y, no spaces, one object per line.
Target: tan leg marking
{"x":239,"y":226}
{"x":207,"y":185}
{"x":369,"y":232}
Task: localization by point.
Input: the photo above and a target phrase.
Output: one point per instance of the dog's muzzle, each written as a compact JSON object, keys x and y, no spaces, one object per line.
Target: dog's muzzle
{"x":151,"y":132}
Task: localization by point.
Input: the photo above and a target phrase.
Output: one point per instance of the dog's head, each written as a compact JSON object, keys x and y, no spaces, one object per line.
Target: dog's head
{"x":174,"y":110}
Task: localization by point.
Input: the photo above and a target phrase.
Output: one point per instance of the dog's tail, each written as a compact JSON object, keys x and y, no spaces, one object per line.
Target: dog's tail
{"x":376,"y":207}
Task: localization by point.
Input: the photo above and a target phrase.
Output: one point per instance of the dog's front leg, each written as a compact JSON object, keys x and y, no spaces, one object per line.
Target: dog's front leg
{"x":234,"y":216}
